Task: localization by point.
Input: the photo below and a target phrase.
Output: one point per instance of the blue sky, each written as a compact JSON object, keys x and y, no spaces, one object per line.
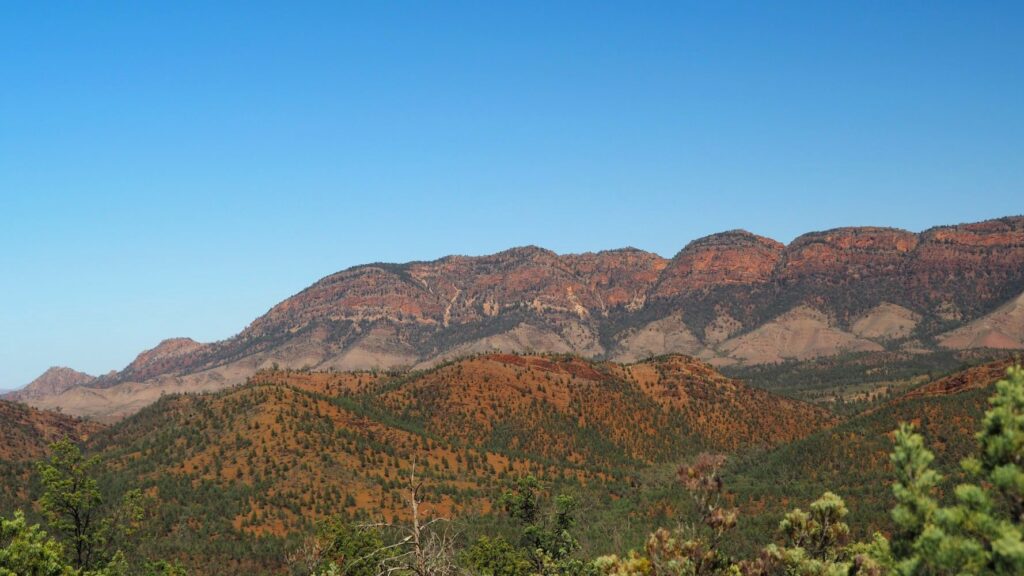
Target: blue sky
{"x":175,"y":169}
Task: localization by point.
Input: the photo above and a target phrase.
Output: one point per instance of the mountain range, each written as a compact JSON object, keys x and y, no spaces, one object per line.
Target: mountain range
{"x":731,"y":299}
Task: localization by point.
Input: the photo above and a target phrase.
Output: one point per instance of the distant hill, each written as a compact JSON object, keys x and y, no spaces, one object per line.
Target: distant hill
{"x":53,"y":382}
{"x":732,"y":298}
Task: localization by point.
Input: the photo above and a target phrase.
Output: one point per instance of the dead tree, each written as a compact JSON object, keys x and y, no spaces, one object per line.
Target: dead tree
{"x":424,"y":547}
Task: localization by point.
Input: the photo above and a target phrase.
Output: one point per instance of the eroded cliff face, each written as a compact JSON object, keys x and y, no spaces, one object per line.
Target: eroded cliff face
{"x":735,"y":258}
{"x":964,"y":271}
{"x":460,"y":289}
{"x":729,"y":297}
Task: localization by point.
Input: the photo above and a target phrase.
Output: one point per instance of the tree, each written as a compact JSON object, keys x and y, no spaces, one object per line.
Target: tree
{"x":28,"y":551}
{"x":547,"y":538}
{"x":821,"y":532}
{"x":691,"y":549}
{"x":815,"y":544}
{"x":425,"y":546}
{"x":495,"y":557}
{"x":164,"y":568}
{"x":71,"y":500}
{"x":914,"y":487}
{"x":74,"y":507}
{"x":353,"y":549}
{"x":422,"y":547}
{"x":981,"y":532}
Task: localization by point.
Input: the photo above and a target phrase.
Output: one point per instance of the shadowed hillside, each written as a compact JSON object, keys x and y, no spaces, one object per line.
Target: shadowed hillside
{"x":852,"y":459}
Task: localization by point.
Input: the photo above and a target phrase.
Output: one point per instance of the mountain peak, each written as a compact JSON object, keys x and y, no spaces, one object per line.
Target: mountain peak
{"x":55,"y":380}
{"x":160,"y":358}
{"x":736,"y":237}
{"x":735,"y":257}
{"x":529,"y":251}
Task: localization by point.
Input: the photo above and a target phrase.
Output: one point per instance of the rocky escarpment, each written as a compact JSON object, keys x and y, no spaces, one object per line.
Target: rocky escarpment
{"x":729,"y":297}
{"x":727,"y":259}
{"x":846,"y":270}
{"x":384,"y":314}
{"x":967,"y":270}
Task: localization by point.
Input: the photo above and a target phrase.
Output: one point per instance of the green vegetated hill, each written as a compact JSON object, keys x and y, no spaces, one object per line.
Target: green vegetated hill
{"x":852,"y":459}
{"x":852,"y":383}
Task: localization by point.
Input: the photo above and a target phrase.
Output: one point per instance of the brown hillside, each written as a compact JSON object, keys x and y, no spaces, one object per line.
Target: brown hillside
{"x":26,"y":432}
{"x":329,"y":442}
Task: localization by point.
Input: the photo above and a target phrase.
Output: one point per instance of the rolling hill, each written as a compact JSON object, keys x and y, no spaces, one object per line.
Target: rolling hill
{"x":237,"y":474}
{"x":271,"y":457}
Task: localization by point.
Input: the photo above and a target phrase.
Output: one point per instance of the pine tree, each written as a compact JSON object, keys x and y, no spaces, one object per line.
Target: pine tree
{"x":981,"y":532}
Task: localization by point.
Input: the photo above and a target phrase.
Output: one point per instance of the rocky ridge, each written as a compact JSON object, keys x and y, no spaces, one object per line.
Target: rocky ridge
{"x":733,"y":297}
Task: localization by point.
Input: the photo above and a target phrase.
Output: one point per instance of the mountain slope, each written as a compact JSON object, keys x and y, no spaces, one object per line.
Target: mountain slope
{"x":294,"y":446}
{"x":1002,"y":328}
{"x":25,"y":434}
{"x":733,"y":298}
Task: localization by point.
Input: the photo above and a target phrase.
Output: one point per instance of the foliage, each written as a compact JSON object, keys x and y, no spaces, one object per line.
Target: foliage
{"x":236,"y":457}
{"x":980,"y":533}
{"x":340,"y":547}
{"x":72,"y":500}
{"x":27,"y":550}
{"x":354,"y":549}
{"x":164,"y":568}
{"x":815,"y":543}
{"x":74,"y":507}
{"x":692,"y":549}
{"x":495,"y":557}
{"x":547,"y":532}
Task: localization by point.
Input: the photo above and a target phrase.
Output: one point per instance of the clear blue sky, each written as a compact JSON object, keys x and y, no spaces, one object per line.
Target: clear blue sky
{"x":176,"y":168}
